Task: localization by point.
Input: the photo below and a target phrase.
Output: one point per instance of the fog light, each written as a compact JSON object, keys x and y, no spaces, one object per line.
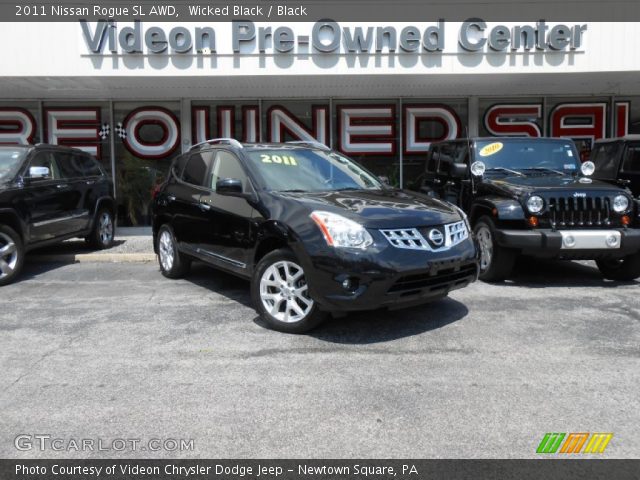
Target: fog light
{"x":346,"y":284}
{"x":569,"y":241}
{"x":612,"y":241}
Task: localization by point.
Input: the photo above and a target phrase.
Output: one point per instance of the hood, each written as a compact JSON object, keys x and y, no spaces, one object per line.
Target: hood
{"x":372,"y":208}
{"x":519,"y":186}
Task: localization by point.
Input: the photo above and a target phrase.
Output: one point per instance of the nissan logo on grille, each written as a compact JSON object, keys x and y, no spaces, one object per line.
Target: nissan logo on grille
{"x":436,"y":237}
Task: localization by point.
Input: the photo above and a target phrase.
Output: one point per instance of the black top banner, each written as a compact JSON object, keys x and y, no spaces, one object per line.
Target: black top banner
{"x":314,"y":10}
{"x":122,"y":469}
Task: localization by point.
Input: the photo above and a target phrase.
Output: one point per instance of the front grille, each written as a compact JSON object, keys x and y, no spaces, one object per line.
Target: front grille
{"x":569,"y":211}
{"x":443,"y":279}
{"x":451,"y":234}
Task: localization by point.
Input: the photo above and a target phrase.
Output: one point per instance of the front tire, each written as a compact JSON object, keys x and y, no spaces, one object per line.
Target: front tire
{"x":624,"y":269}
{"x":496,"y":262}
{"x":173,"y":264}
{"x":280,"y":294}
{"x":11,"y":255}
{"x":103,"y":234}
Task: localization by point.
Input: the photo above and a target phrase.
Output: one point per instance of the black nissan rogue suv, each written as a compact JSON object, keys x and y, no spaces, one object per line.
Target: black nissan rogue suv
{"x":313,"y":230}
{"x":532,"y":196}
{"x":48,"y":194}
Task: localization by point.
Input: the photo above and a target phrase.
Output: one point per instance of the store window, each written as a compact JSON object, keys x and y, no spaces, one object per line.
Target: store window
{"x":147,"y":140}
{"x":232,"y":119}
{"x":519,"y":117}
{"x":424,"y":122}
{"x":80,"y":125}
{"x":367,"y":131}
{"x":585,"y":120}
{"x":19,"y":124}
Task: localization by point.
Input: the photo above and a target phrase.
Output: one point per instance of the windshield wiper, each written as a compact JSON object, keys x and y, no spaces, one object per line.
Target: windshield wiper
{"x":545,"y":169}
{"x":293,"y":190}
{"x":508,"y":170}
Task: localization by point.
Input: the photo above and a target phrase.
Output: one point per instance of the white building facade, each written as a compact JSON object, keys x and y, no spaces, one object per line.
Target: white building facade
{"x":136,"y":94}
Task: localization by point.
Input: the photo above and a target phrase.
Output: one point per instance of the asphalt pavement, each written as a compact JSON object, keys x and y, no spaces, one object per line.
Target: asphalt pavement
{"x":105,"y":351}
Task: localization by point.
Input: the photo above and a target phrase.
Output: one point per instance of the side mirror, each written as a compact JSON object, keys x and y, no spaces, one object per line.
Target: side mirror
{"x":39,"y":172}
{"x":458,"y":170}
{"x":384,"y":180}
{"x":229,"y":186}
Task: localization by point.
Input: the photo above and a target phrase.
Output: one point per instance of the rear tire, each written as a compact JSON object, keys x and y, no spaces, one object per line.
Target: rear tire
{"x":280,"y":294}
{"x":173,"y":264}
{"x":11,"y":255}
{"x":624,"y":269}
{"x":103,"y":234}
{"x":496,"y":262}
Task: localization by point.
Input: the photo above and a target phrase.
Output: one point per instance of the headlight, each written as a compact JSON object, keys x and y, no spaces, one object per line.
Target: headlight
{"x":620,"y":203}
{"x":465,"y":218}
{"x":341,"y":232}
{"x":535,"y":204}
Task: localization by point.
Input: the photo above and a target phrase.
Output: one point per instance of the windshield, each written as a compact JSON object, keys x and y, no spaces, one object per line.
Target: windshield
{"x":310,"y":170}
{"x":10,"y":160}
{"x":518,"y":155}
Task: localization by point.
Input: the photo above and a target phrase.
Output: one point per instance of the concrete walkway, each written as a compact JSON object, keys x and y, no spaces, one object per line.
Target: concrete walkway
{"x":132,"y":244}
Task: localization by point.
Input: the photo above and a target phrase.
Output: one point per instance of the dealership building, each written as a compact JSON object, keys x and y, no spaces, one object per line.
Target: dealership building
{"x":136,"y":94}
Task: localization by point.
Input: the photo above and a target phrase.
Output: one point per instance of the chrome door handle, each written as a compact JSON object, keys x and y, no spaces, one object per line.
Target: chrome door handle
{"x":171,"y":198}
{"x":205,"y":206}
{"x":91,"y":182}
{"x":62,"y":185}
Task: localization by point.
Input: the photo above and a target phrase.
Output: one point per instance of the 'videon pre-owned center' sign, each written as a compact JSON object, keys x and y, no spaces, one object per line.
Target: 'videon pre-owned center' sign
{"x":106,"y":37}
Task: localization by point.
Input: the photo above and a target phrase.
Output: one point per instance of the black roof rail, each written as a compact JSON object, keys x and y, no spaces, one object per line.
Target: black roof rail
{"x":311,"y":143}
{"x":230,"y":141}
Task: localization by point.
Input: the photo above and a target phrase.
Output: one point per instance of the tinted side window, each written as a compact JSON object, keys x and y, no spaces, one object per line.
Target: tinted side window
{"x":447,"y":157}
{"x":46,"y":159}
{"x":632,"y":159}
{"x":196,"y":169}
{"x":462,"y":153}
{"x":69,"y":164}
{"x":606,"y":159}
{"x":432,"y":163}
{"x":178,"y":165}
{"x":90,"y":167}
{"x":227,"y":166}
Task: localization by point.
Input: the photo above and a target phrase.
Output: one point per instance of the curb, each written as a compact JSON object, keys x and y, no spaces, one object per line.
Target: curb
{"x":95,"y":258}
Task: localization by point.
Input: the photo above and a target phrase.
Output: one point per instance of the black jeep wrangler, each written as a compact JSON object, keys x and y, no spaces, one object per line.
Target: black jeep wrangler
{"x":532,"y":196}
{"x":617,"y":160}
{"x":48,"y":194}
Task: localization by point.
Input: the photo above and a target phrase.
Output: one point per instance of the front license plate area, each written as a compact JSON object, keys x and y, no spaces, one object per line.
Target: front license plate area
{"x":590,"y":239}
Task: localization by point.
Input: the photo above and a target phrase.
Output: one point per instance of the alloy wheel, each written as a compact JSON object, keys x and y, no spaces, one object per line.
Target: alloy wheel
{"x":166,"y":250}
{"x":105,"y":228}
{"x":8,"y":255}
{"x":284,"y":292}
{"x":483,"y":235}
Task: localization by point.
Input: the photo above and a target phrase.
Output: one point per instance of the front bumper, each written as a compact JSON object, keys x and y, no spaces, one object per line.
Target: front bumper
{"x":589,"y":244}
{"x":386,"y":277}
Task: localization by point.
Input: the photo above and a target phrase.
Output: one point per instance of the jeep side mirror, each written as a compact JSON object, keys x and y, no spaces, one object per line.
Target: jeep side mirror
{"x":385,"y":180}
{"x":36,"y":173}
{"x":458,"y":170}
{"x":229,"y":186}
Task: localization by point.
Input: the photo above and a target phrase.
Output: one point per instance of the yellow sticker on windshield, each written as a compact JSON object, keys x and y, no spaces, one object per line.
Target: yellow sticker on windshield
{"x":279,"y":159}
{"x":490,"y":149}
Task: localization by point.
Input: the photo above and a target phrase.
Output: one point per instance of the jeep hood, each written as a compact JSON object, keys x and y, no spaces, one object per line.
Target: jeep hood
{"x":518,"y":186}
